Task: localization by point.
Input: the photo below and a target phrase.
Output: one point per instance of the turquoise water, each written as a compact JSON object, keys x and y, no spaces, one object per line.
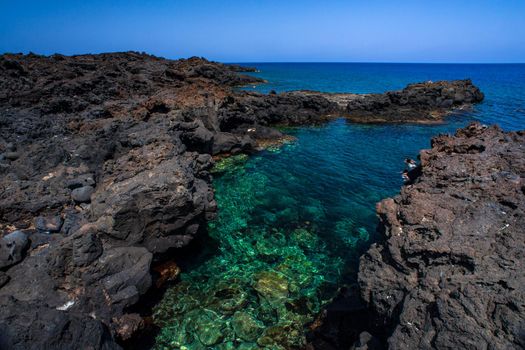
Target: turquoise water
{"x":293,"y":221}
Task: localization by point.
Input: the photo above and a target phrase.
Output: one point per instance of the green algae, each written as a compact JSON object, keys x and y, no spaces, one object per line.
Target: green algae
{"x":232,"y":163}
{"x":272,"y":271}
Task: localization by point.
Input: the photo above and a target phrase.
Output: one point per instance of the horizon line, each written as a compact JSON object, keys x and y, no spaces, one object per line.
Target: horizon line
{"x":259,"y":61}
{"x":364,"y":62}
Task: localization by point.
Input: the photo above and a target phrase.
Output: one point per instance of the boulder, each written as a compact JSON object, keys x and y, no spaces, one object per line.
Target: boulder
{"x":82,"y":194}
{"x":224,"y":142}
{"x":158,"y":208}
{"x":81,"y":181}
{"x":12,"y":248}
{"x":196,"y":137}
{"x":48,"y":224}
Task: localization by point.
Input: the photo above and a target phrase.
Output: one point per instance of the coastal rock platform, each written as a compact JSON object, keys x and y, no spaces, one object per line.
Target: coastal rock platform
{"x":449,"y":273}
{"x":105,"y":169}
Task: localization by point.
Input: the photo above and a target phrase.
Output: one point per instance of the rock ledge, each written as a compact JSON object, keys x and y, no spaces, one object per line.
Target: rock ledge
{"x":450,"y":273}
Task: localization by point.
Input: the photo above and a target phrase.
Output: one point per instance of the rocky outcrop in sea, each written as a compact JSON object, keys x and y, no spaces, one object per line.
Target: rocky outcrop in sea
{"x":105,"y":169}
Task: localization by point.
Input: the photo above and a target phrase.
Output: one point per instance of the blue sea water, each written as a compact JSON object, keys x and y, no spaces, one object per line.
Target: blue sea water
{"x":503,"y":84}
{"x":292,"y":221}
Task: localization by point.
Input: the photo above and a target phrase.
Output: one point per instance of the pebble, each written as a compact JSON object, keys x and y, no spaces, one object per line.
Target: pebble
{"x":80,"y":181}
{"x":12,"y":155}
{"x":82,"y":194}
{"x":11,"y":147}
{"x":49,"y":224}
{"x":12,"y":248}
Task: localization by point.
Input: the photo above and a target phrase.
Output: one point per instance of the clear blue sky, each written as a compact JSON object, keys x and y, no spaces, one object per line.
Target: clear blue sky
{"x":271,"y":30}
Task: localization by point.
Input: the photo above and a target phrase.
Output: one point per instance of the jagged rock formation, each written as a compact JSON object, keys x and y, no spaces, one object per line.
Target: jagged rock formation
{"x":449,"y":273}
{"x":104,"y":163}
{"x":422,"y":103}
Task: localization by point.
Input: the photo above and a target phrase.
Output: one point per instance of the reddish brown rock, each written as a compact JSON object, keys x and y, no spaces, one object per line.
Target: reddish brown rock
{"x":168,"y":272}
{"x":449,"y":273}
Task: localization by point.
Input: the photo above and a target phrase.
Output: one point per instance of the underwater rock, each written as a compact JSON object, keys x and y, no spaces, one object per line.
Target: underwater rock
{"x":245,"y":326}
{"x":230,"y":297}
{"x":128,"y":325}
{"x":282,"y":337}
{"x":168,"y":271}
{"x":230,"y":164}
{"x":209,"y":328}
{"x":272,"y":286}
{"x":305,"y":238}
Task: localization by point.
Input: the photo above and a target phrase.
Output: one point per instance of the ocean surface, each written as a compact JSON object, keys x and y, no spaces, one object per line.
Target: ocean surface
{"x":293,"y":220}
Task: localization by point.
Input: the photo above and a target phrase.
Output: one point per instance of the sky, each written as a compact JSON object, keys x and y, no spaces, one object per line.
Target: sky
{"x":460,"y":31}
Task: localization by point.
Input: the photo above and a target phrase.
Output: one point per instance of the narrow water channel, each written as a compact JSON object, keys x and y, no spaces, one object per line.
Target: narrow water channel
{"x":292,"y":223}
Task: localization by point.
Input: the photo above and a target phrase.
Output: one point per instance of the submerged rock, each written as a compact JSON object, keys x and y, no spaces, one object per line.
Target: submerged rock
{"x":282,"y":337}
{"x":246,"y":326}
{"x":168,"y":272}
{"x":272,"y":286}
{"x":209,"y":328}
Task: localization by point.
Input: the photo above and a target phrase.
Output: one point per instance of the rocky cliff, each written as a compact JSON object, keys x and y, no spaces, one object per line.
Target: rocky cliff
{"x":104,"y":163}
{"x":449,"y":273}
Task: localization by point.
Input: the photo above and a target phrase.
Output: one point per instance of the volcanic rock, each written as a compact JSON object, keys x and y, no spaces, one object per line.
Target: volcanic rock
{"x":449,"y":272}
{"x":134,"y":135}
{"x":49,"y":224}
{"x":82,"y":194}
{"x":12,"y":248}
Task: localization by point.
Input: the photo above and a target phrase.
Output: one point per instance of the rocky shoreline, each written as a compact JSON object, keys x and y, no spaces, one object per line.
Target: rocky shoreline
{"x":448,"y":270}
{"x":105,"y":163}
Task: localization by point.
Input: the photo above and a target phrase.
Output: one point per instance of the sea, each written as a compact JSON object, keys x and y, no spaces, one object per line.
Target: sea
{"x":294,"y":220}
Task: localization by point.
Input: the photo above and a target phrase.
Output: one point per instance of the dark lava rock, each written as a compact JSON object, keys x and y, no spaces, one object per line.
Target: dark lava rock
{"x":12,"y":247}
{"x":3,"y":279}
{"x":134,"y":134}
{"x":449,"y":272}
{"x":40,"y":238}
{"x":49,"y":224}
{"x":82,"y":194}
{"x":81,"y":181}
{"x":43,"y":327}
{"x":422,"y":102}
{"x":366,"y":341}
{"x":12,"y":155}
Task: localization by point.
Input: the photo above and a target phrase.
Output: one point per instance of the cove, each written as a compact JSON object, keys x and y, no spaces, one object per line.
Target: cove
{"x":292,"y":223}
